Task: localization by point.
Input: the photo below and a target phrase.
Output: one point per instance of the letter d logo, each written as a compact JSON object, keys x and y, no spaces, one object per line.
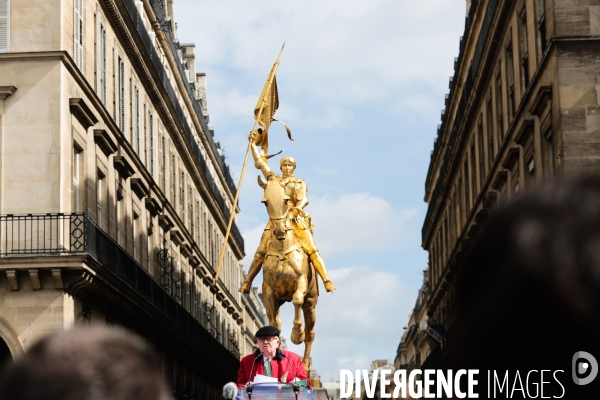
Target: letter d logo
{"x":581,"y":367}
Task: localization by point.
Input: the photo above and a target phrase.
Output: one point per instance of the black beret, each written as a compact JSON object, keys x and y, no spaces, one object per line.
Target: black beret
{"x":267,"y":331}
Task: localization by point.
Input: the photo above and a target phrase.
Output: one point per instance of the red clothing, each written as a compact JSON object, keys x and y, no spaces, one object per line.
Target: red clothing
{"x":290,"y":363}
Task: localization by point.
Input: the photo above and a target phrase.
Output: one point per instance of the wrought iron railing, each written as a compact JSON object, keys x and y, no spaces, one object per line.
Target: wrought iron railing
{"x":22,"y":235}
{"x":169,"y":278}
{"x":76,"y":233}
{"x":232,"y":344}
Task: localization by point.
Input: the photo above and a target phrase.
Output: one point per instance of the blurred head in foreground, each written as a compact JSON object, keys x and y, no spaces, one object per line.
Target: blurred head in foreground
{"x":528,"y":296}
{"x":86,"y":364}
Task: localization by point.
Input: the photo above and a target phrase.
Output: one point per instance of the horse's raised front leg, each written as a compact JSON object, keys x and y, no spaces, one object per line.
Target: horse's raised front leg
{"x":272,"y":305}
{"x":297,"y":335}
{"x":310,"y":317}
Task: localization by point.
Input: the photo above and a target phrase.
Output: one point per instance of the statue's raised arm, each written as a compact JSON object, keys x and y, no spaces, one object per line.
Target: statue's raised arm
{"x":260,"y":162}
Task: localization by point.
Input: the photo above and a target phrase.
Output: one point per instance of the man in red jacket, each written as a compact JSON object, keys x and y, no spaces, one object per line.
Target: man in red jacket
{"x":270,"y":360}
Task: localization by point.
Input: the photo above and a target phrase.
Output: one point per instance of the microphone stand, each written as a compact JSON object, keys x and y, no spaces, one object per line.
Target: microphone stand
{"x":250,"y":387}
{"x":295,"y":385}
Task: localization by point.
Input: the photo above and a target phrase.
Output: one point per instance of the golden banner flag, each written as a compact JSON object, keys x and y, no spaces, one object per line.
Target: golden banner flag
{"x":267,"y":104}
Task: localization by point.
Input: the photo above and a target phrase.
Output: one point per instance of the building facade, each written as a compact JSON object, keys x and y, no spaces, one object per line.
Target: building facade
{"x":416,"y":343}
{"x":114,"y":195}
{"x":523,"y":108}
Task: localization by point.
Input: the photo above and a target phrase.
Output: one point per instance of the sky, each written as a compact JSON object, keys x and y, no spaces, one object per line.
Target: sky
{"x":361,"y":85}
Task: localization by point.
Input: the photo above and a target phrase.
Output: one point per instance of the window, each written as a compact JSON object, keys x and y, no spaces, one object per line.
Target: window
{"x":459,"y":202}
{"x":184,"y":282}
{"x":549,"y":152}
{"x":135,"y":117}
{"x":4,"y":26}
{"x":541,"y":23}
{"x":457,"y":217}
{"x":490,"y":130}
{"x":77,"y":33}
{"x":162,"y":163}
{"x":198,"y":223}
{"x":182,"y":195}
{"x":173,"y":179}
{"x":499,"y":130}
{"x":100,"y":190}
{"x":145,"y":142}
{"x":119,"y":213}
{"x":481,"y":145}
{"x":510,"y":72}
{"x":531,"y":166}
{"x":150,"y":143}
{"x":119,"y":91}
{"x":467,"y":191}
{"x":149,"y":252}
{"x":473,"y":173}
{"x":100,"y":59}
{"x":524,"y":48}
{"x":204,"y":234}
{"x":191,"y":211}
{"x":77,"y":155}
{"x":136,"y":221}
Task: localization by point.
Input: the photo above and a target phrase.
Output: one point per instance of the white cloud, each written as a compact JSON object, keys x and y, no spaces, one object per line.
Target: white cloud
{"x":339,"y":51}
{"x":356,"y":222}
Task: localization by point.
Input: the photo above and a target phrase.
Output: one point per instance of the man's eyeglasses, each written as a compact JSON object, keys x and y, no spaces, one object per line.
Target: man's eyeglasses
{"x":267,"y":339}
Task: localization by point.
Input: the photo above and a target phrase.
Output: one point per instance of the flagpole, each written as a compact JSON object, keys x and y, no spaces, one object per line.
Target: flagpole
{"x":237,"y":194}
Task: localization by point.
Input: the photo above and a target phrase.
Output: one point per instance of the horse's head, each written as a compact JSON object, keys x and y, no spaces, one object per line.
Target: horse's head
{"x":276,"y":202}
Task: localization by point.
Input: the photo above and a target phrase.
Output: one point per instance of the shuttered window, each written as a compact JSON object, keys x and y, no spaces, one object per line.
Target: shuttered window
{"x":4,"y":26}
{"x":119,"y":90}
{"x":149,"y":140}
{"x":161,"y":160}
{"x":145,"y":137}
{"x":101,"y":60}
{"x":135,"y":117}
{"x":78,"y":34}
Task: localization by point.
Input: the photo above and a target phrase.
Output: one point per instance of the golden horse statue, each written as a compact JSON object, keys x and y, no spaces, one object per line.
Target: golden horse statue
{"x":287,"y":253}
{"x":287,"y":274}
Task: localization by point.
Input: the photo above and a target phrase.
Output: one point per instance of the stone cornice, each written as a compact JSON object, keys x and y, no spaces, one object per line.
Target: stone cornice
{"x":105,"y":142}
{"x":139,"y":188}
{"x":123,"y":166}
{"x":7,"y":91}
{"x":82,"y":112}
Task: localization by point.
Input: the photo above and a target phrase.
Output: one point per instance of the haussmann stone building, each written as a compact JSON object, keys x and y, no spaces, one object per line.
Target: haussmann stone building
{"x":523,"y":108}
{"x":114,"y":195}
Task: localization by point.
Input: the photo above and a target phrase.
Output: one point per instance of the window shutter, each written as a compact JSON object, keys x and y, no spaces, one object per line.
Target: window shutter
{"x":161,"y":161}
{"x":130,"y":109}
{"x":78,"y":34}
{"x":151,"y":133}
{"x":122,"y":94}
{"x":103,"y":77}
{"x":115,"y":78}
{"x":4,"y":26}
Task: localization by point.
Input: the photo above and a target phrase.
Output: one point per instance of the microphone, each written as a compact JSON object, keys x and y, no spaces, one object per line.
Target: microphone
{"x":249,"y":386}
{"x":295,"y":385}
{"x":256,"y":358}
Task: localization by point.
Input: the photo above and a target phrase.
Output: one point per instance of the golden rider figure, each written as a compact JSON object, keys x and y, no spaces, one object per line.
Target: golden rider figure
{"x":296,"y":190}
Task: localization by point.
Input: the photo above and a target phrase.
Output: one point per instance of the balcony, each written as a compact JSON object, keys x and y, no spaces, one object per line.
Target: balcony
{"x":118,"y":285}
